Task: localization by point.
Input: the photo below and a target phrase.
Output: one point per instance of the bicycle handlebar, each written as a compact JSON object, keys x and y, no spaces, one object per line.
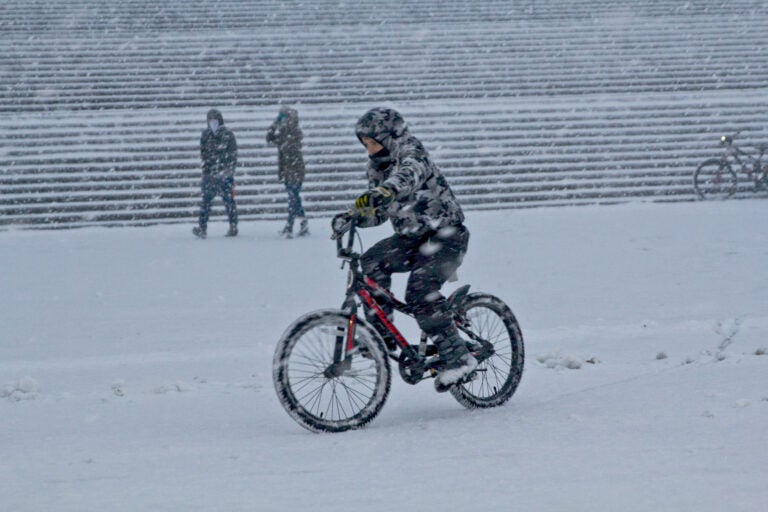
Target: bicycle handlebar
{"x":727,"y":140}
{"x":347,"y":252}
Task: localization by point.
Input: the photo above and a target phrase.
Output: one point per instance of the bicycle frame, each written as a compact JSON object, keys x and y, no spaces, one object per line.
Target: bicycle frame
{"x":359,"y":285}
{"x":370,"y":293}
{"x":732,"y":150}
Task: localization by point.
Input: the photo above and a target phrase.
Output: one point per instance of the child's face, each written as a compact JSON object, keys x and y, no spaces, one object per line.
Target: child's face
{"x":371,"y":145}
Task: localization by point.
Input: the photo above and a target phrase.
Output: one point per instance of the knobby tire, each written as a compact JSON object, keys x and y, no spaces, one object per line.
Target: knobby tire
{"x":497,"y":377}
{"x":321,"y":403}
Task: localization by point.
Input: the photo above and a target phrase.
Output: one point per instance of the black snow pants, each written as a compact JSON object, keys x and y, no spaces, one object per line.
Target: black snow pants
{"x":216,"y":186}
{"x":431,"y":259}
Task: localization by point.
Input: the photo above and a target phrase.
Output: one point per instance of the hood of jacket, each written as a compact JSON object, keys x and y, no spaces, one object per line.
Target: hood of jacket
{"x":215,"y":114}
{"x":384,"y":125}
{"x":289,"y":116}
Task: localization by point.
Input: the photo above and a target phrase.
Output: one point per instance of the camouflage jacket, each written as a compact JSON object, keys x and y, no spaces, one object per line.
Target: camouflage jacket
{"x":423,"y":200}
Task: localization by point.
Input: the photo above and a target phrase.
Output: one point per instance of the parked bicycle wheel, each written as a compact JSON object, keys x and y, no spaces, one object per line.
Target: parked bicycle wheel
{"x":498,"y":376}
{"x":714,"y":179}
{"x":322,"y":396}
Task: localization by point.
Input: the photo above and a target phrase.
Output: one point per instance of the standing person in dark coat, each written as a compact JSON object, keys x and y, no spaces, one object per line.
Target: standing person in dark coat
{"x":218,"y":152}
{"x":286,"y":135}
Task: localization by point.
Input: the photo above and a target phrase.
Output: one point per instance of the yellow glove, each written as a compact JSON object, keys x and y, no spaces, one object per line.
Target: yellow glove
{"x":372,"y":199}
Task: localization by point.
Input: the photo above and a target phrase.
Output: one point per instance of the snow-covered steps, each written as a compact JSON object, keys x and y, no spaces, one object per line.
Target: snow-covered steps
{"x":143,"y":167}
{"x":474,"y":58}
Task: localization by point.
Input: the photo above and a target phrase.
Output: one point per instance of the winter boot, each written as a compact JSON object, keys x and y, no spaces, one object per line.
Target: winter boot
{"x":459,"y":363}
{"x":232,"y":230}
{"x":304,"y":228}
{"x":287,"y":231}
{"x":199,"y":231}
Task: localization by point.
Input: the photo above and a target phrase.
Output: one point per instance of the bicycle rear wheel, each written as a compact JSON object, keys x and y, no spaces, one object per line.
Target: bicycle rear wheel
{"x":321,"y":400}
{"x":497,"y":377}
{"x":762,"y":183}
{"x":714,"y":179}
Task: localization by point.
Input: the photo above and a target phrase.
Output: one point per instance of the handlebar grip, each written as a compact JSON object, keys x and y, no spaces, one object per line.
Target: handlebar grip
{"x":347,"y":252}
{"x":351,"y":232}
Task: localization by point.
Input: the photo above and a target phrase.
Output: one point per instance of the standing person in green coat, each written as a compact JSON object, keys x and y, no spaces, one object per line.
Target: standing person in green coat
{"x":286,"y":135}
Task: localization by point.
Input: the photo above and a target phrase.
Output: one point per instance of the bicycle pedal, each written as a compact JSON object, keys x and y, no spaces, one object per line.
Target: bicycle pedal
{"x":472,"y":376}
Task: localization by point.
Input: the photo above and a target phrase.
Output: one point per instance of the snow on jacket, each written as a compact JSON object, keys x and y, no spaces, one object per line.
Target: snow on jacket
{"x":218,"y":151}
{"x":287,"y":136}
{"x":423,"y":200}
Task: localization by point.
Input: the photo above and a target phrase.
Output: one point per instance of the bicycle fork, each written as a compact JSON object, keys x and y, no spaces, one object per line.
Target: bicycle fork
{"x":345,"y":335}
{"x":345,"y":343}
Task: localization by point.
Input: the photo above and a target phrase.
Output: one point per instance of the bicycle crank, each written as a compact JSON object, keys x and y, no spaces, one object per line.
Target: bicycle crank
{"x":412,"y":370}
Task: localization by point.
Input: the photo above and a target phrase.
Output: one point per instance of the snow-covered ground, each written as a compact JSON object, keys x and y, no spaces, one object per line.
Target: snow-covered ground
{"x":135,"y":371}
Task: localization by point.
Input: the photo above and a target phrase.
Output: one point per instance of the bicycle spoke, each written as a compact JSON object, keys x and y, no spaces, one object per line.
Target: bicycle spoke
{"x":315,"y":397}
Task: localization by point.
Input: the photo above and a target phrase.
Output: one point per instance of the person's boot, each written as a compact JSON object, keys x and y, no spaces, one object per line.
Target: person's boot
{"x":232,"y":230}
{"x":304,"y":227}
{"x":287,"y":231}
{"x":199,"y":231}
{"x":459,"y":363}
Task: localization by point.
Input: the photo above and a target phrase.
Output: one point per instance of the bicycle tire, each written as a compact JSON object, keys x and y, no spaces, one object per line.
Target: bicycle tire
{"x":330,"y":404}
{"x":498,"y":376}
{"x":715,"y":179}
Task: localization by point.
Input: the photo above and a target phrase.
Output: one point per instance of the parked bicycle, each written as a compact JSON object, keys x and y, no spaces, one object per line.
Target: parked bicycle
{"x":716,"y":179}
{"x":331,"y":368}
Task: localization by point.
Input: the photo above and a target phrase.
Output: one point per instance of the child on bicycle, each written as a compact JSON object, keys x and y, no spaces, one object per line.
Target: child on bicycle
{"x":430,"y":240}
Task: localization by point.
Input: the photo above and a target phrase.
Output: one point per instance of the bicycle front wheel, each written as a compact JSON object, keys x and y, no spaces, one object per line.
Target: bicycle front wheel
{"x":490,"y":319}
{"x":714,"y":179}
{"x":319,"y":395}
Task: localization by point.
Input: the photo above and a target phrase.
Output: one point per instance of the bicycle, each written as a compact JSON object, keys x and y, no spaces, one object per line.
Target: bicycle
{"x":716,"y":179}
{"x":331,"y":368}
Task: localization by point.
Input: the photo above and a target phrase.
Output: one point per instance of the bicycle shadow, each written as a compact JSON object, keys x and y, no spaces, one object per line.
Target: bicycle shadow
{"x":420,"y":406}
